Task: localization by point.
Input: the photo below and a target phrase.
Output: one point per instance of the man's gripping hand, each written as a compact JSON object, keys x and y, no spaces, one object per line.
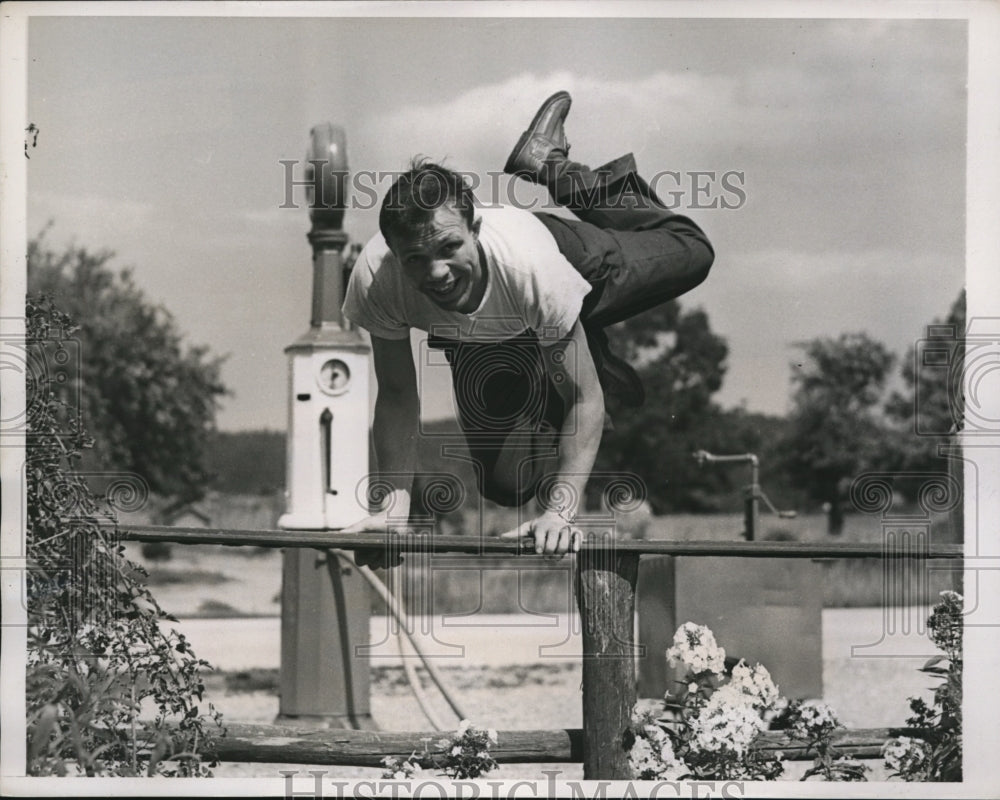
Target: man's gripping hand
{"x":378,"y":557}
{"x":552,"y":534}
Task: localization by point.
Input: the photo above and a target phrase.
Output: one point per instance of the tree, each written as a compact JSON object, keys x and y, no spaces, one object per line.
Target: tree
{"x":682,"y":364}
{"x":835,"y":430}
{"x":929,"y":411}
{"x":148,"y":399}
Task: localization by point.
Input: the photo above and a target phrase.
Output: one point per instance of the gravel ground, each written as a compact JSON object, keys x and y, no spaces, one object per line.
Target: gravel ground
{"x":530,"y":697}
{"x":548,"y":696}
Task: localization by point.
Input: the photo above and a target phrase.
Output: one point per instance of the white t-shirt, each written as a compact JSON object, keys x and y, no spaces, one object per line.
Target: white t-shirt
{"x":530,"y":285}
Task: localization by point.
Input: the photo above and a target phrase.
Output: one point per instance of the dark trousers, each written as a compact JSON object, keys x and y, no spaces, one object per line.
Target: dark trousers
{"x":636,"y":254}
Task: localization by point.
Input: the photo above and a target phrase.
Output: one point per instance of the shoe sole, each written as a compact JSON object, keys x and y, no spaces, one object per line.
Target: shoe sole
{"x":515,"y":154}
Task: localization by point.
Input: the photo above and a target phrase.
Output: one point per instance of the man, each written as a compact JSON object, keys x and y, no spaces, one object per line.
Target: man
{"x":517,"y":302}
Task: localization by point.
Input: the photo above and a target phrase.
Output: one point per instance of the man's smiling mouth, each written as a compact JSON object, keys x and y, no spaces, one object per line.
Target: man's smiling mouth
{"x":443,"y":290}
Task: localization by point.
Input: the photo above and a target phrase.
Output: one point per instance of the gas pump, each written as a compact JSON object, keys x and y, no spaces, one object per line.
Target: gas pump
{"x":325,"y":607}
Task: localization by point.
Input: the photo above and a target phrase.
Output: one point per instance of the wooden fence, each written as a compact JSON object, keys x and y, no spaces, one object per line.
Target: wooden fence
{"x":606,"y":573}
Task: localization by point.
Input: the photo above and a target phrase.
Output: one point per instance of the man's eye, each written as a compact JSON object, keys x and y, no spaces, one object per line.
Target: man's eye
{"x":451,"y":248}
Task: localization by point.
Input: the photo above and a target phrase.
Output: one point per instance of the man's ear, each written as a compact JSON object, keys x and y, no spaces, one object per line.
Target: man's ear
{"x":477,"y":223}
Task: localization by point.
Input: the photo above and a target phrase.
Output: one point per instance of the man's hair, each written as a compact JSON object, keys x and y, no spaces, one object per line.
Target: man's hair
{"x":412,"y":200}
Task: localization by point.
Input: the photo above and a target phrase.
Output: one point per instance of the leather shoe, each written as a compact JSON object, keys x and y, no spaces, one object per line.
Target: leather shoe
{"x":543,"y":140}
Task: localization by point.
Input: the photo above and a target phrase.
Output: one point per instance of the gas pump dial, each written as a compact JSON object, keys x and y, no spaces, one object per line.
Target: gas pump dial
{"x":334,"y":376}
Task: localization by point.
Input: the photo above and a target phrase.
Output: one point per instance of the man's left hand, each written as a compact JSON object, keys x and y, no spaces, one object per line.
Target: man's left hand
{"x":551,"y":533}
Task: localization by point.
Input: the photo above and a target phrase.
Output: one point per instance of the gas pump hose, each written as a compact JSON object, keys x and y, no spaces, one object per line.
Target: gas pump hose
{"x":395,"y":607}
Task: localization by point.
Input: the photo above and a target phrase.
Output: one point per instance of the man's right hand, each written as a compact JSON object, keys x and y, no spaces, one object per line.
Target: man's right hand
{"x":377,"y":557}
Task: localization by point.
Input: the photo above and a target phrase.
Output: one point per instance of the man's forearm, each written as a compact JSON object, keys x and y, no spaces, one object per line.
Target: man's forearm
{"x":579,"y":441}
{"x":572,"y":372}
{"x":394,"y":430}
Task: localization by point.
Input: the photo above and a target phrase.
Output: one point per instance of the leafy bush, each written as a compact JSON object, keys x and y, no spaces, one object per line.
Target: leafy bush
{"x":97,"y":655}
{"x":934,"y":751}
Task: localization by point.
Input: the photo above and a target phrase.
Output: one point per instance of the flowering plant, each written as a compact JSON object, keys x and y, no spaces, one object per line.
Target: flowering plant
{"x":814,"y":723}
{"x":398,"y":769}
{"x":934,"y":753}
{"x":465,"y":754}
{"x":469,"y":751}
{"x":711,"y":727}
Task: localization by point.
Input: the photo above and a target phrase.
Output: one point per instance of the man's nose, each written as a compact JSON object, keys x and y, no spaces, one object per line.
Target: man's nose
{"x":438,"y":271}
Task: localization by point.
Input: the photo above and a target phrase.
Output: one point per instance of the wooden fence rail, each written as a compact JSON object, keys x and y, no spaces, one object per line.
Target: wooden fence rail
{"x":350,"y":748}
{"x":322,"y":540}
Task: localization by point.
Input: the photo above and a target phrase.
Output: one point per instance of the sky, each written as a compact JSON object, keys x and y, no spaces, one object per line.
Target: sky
{"x":162,"y":139}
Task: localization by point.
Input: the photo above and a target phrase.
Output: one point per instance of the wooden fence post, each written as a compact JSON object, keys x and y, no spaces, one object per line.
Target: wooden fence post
{"x":606,"y":581}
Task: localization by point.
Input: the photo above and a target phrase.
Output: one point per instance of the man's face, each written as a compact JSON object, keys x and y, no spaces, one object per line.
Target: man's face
{"x":441,"y":260}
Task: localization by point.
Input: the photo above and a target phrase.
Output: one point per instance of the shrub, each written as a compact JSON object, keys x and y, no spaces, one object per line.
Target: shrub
{"x":97,"y":655}
{"x":934,"y":750}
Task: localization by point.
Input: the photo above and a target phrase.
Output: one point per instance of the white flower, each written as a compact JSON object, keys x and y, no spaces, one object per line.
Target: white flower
{"x":492,"y":735}
{"x":641,"y":755}
{"x":692,"y":687}
{"x":728,"y":722}
{"x":695,"y":648}
{"x":812,"y":718}
{"x":756,"y":684}
{"x":656,"y":734}
{"x":667,"y":755}
{"x":652,"y":755}
{"x":463,"y":726}
{"x":456,"y":750}
{"x":904,"y":754}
